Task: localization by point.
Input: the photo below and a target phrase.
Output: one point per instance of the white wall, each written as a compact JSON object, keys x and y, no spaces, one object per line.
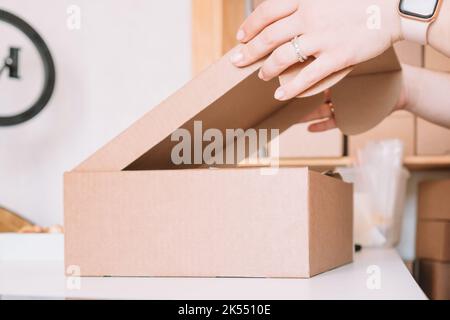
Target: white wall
{"x":127,"y":57}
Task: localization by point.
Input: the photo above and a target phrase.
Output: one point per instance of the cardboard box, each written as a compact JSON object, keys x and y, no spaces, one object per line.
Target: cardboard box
{"x":435,"y":60}
{"x":432,"y":140}
{"x":294,"y":224}
{"x":434,"y":201}
{"x":298,"y":142}
{"x":131,"y":211}
{"x":434,"y":279}
{"x":410,"y":53}
{"x":433,"y":240}
{"x":400,"y":125}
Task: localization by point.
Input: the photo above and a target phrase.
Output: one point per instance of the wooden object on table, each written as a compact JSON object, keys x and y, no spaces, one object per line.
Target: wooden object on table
{"x":12,"y":222}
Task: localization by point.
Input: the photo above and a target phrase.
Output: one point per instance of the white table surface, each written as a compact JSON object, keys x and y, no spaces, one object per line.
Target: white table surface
{"x":45,"y":279}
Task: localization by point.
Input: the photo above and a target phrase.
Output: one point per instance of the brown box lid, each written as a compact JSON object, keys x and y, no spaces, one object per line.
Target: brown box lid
{"x":433,"y":240}
{"x":434,"y":201}
{"x":225,"y":97}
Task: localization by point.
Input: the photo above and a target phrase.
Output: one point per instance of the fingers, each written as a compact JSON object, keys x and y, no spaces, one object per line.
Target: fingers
{"x":285,"y":56}
{"x":322,"y":67}
{"x":322,"y":126}
{"x":322,"y":112}
{"x":264,"y":15}
{"x":327,"y":94}
{"x":265,"y":42}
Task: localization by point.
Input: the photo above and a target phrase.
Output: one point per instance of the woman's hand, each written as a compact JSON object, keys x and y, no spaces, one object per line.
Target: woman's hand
{"x":338,"y":34}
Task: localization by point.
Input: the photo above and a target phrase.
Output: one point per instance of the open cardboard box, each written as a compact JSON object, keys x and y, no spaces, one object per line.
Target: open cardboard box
{"x":129,"y":211}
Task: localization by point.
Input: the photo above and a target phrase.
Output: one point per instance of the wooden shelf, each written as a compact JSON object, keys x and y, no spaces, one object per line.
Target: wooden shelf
{"x":317,"y":164}
{"x":423,"y":163}
{"x":415,"y":163}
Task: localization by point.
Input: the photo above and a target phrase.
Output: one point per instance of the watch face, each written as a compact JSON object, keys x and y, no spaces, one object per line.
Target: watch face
{"x":423,"y":9}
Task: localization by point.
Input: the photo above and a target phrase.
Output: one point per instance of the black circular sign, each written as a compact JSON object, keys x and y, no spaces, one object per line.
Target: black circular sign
{"x":49,"y":71}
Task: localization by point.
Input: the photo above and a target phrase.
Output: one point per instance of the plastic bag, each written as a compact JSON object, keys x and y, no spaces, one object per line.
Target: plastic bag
{"x":380,"y":188}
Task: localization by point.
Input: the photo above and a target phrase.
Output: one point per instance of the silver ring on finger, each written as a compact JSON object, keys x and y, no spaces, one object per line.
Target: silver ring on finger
{"x":298,"y":49}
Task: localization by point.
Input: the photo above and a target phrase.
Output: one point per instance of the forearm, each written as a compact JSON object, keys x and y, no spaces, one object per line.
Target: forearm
{"x":427,"y":94}
{"x":439,"y":33}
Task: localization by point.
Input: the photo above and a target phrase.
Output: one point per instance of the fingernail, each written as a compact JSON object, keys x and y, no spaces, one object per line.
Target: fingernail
{"x":240,"y":35}
{"x":237,"y":57}
{"x":280,"y":94}
{"x":261,"y":74}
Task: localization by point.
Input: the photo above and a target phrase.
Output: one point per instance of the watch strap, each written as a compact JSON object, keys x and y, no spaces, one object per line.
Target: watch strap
{"x":415,"y":30}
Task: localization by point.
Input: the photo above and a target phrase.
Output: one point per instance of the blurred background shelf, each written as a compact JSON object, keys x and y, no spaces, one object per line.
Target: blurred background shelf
{"x":424,"y":163}
{"x":413,"y":163}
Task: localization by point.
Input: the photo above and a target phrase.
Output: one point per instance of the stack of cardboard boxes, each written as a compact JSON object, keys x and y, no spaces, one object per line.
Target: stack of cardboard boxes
{"x":433,"y":239}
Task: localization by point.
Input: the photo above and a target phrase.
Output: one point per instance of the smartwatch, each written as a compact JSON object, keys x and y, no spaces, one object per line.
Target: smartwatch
{"x":416,"y":18}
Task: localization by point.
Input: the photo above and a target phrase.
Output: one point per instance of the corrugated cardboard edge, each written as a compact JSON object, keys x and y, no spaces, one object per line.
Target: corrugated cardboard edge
{"x":330,"y":223}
